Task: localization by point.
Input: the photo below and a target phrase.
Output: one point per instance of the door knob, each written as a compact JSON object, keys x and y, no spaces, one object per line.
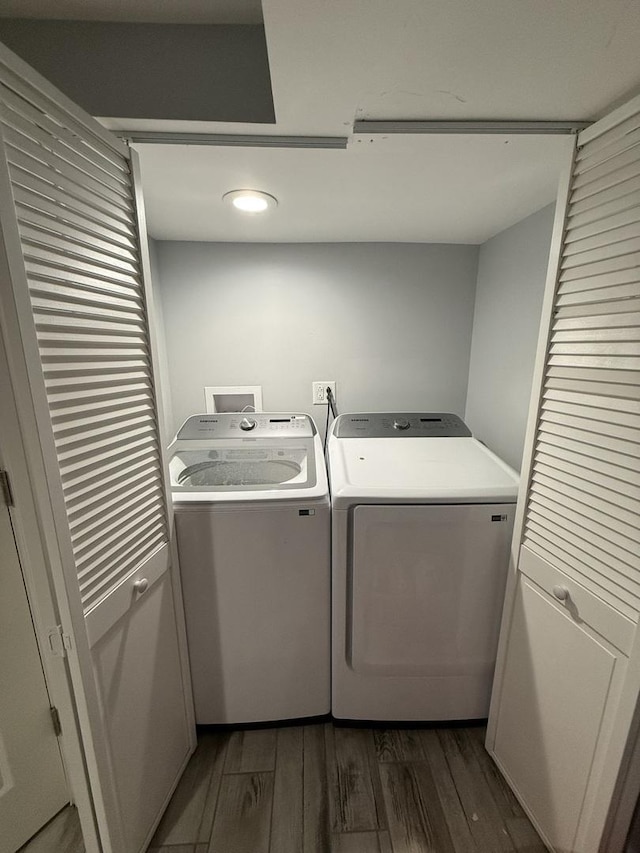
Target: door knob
{"x":561,"y":593}
{"x":141,"y":585}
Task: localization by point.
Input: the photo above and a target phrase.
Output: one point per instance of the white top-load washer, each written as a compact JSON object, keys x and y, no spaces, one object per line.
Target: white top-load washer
{"x":252,"y":516}
{"x":422,"y":524}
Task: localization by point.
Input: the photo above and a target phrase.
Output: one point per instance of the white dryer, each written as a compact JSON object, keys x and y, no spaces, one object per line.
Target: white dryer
{"x":422,"y":525}
{"x":253,"y":525}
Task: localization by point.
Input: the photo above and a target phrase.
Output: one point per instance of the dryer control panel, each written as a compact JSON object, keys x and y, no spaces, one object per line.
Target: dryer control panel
{"x":400,"y":425}
{"x":246,"y":425}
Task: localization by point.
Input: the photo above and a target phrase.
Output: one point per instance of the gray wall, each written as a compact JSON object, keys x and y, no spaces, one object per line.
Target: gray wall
{"x":391,"y":323}
{"x":200,"y":72}
{"x":512,"y":269}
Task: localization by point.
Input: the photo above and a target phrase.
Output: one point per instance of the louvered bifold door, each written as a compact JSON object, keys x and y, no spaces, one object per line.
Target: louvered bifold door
{"x":584,"y":501}
{"x":71,"y":239}
{"x":568,"y":674}
{"x":76,"y":215}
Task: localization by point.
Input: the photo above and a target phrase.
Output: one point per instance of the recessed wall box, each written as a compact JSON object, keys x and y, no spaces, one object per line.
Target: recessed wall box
{"x":233,"y":398}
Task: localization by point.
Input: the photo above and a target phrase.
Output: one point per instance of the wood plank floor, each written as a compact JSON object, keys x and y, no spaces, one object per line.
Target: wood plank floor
{"x":330,"y":789}
{"x":60,"y":835}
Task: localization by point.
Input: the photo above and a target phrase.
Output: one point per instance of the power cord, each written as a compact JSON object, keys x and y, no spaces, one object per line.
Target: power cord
{"x":331,"y":406}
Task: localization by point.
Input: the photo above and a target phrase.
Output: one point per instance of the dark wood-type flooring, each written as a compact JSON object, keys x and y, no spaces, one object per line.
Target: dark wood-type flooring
{"x":60,"y":835}
{"x":329,"y":789}
{"x":321,"y":788}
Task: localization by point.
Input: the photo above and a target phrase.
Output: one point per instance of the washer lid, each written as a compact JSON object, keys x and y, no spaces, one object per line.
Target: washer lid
{"x":214,"y":458}
{"x":445,"y":470}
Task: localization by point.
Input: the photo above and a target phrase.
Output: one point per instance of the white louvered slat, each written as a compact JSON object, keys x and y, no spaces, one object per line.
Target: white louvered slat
{"x":84,"y":524}
{"x":606,"y":251}
{"x":607,"y":168}
{"x":112,"y":178}
{"x":94,"y":549}
{"x":547,"y":482}
{"x":71,"y":246}
{"x":27,"y":171}
{"x":606,"y":145}
{"x":609,"y":237}
{"x":605,"y":310}
{"x":595,"y":443}
{"x":583,"y":323}
{"x":45,"y":275}
{"x":86,"y":480}
{"x":59,"y":255}
{"x":583,"y":508}
{"x":60,"y":381}
{"x":613,"y":180}
{"x":88,"y":498}
{"x":76,"y":218}
{"x":596,"y":401}
{"x":78,"y":305}
{"x":84,"y":424}
{"x":75,"y":441}
{"x":598,"y":212}
{"x":61,"y":124}
{"x":592,"y":413}
{"x":614,"y":377}
{"x":27,"y":147}
{"x":587,"y":300}
{"x":589,"y":479}
{"x":64,"y":139}
{"x":42,"y":195}
{"x":41,"y":227}
{"x":603,"y":202}
{"x":627,"y":536}
{"x":34,"y":207}
{"x":609,"y":389}
{"x":601,"y":459}
{"x":627,"y":214}
{"x":596,"y":427}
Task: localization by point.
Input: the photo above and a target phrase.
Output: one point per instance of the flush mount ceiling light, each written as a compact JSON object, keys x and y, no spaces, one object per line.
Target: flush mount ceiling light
{"x":250,"y":201}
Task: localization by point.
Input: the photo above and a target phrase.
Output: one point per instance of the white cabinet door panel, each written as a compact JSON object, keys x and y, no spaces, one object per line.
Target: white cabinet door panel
{"x":558,"y":679}
{"x":137,"y":668}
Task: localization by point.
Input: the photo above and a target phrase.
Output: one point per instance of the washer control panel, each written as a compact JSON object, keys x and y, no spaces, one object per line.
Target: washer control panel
{"x":401,"y":424}
{"x":246,"y":425}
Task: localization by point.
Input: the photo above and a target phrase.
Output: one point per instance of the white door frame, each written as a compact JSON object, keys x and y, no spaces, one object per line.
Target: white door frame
{"x":39,"y":587}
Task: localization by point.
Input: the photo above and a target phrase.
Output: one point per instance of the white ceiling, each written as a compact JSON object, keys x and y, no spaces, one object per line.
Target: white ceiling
{"x":336,"y":61}
{"x":441,"y":189}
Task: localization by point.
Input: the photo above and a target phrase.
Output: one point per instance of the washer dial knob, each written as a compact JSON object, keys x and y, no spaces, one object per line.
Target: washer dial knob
{"x":401,"y":423}
{"x":248,"y":423}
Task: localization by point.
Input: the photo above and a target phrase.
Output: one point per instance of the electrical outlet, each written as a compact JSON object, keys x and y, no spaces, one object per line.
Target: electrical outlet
{"x":319,"y":391}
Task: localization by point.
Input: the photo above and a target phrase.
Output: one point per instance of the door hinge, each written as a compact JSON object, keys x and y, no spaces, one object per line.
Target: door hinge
{"x":5,"y":485}
{"x":59,"y":642}
{"x":55,"y":718}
